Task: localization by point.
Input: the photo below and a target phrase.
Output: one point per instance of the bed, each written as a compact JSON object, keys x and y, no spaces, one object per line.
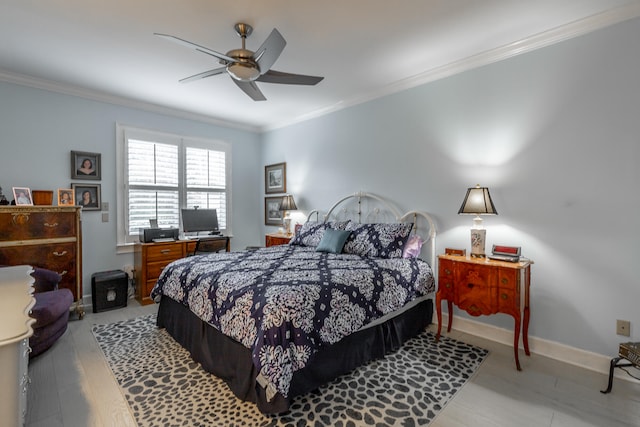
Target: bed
{"x":278,"y":322}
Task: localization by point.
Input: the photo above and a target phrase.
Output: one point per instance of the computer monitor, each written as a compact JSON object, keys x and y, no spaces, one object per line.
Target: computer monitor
{"x":197,"y":220}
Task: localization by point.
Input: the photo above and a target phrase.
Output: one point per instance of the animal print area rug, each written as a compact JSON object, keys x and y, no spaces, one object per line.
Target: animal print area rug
{"x":165,"y":387}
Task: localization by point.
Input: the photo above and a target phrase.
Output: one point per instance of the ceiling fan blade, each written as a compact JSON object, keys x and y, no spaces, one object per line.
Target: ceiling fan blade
{"x":251,"y":89}
{"x":196,"y":47}
{"x":204,"y":75}
{"x":268,"y":53}
{"x":273,"y":76}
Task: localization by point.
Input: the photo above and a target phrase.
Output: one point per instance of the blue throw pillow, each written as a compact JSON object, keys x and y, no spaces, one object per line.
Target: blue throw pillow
{"x":332,"y":241}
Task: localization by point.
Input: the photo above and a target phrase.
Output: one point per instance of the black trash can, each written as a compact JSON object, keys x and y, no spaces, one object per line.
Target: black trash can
{"x":109,"y":290}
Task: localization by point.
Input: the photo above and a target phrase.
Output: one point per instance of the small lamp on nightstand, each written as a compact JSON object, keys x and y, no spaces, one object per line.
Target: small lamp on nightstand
{"x":478,"y":202}
{"x":287,"y":204}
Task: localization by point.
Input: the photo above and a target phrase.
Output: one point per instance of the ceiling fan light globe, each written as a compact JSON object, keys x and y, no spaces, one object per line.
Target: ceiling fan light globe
{"x":243,"y":72}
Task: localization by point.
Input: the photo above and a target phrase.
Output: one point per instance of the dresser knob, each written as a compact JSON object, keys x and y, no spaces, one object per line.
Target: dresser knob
{"x":504,"y":296}
{"x":505,"y":280}
{"x":470,"y":285}
{"x":55,"y":224}
{"x":63,"y":253}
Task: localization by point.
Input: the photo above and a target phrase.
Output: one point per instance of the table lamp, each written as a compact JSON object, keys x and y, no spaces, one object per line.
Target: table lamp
{"x":477,"y":202}
{"x":287,"y":204}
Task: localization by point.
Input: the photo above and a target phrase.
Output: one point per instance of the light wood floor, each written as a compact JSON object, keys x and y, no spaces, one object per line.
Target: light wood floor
{"x":72,"y":386}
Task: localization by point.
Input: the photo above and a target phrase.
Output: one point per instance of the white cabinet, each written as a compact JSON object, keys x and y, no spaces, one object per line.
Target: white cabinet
{"x":16,"y":301}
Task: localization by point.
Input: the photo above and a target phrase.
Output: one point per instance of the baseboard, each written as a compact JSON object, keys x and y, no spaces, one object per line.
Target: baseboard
{"x":551,"y":349}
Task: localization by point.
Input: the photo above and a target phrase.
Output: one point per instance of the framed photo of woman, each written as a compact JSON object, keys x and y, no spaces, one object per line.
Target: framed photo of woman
{"x":87,"y":196}
{"x":85,"y":165}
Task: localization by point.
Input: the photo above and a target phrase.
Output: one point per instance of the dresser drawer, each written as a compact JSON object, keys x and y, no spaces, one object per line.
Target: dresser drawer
{"x":475,"y":299}
{"x":58,"y":257}
{"x":445,"y":279}
{"x":508,"y":300}
{"x":508,"y":278}
{"x":54,"y":256}
{"x":168,"y":252}
{"x":36,"y":225}
{"x":473,"y":291}
{"x":155,"y":268}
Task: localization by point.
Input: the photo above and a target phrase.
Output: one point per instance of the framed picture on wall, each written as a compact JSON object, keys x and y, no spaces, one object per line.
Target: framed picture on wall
{"x":87,"y":196}
{"x":85,"y":165}
{"x":272,"y":212}
{"x":66,"y":197}
{"x":275,"y":178}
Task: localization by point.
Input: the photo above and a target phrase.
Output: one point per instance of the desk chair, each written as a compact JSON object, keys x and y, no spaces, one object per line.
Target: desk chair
{"x":211,"y":244}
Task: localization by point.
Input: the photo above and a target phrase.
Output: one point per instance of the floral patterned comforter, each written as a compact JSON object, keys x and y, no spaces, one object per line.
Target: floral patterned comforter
{"x":286,"y":302}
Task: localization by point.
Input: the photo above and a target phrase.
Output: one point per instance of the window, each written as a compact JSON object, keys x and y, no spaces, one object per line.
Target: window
{"x":161,"y":173}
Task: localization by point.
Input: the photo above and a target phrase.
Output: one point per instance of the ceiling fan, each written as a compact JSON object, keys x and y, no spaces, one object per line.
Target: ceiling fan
{"x":247,"y":67}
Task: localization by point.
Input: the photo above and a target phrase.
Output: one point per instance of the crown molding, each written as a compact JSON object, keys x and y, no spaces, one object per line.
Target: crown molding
{"x":66,"y":89}
{"x":537,"y":41}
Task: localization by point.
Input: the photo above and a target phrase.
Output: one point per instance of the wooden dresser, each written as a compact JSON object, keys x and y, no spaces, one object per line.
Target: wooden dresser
{"x":48,"y":237}
{"x":481,"y":286}
{"x":151,"y":258}
{"x":15,"y":330}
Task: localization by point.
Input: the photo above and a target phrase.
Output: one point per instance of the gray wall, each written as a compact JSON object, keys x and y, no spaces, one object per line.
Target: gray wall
{"x":38,"y":129}
{"x":553,"y":133}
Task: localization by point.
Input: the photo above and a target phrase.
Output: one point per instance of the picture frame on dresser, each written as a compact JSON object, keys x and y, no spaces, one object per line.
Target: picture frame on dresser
{"x":85,"y":165}
{"x":66,"y":197}
{"x":275,"y":178}
{"x":272,"y":212}
{"x":87,"y":196}
{"x":22,"y":196}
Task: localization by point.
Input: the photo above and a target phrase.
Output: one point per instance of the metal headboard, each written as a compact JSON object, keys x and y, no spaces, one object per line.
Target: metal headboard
{"x":377,"y":209}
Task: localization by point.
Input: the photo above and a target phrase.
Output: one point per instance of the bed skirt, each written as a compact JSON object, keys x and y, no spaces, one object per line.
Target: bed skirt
{"x":231,"y":361}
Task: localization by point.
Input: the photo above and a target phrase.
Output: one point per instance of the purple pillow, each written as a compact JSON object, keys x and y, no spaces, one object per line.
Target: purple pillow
{"x":413,"y":247}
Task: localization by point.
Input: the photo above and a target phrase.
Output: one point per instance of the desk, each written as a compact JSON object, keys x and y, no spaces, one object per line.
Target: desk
{"x":481,"y":286}
{"x":151,"y":258}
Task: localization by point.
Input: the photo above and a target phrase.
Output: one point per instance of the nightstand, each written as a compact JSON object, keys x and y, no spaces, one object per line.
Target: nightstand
{"x":482,"y":286}
{"x":274,"y":239}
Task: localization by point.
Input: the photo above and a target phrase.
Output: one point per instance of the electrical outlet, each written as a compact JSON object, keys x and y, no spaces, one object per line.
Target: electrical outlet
{"x":105,"y":216}
{"x":623,"y":327}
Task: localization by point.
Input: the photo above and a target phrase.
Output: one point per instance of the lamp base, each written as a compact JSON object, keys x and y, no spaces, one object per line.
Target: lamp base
{"x":286,"y":222}
{"x":477,"y":243}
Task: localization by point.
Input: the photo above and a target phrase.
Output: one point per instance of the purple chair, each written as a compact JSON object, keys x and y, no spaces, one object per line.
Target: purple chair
{"x":51,"y":310}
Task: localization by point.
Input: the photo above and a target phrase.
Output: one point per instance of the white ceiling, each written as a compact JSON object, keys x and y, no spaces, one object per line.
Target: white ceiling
{"x":363,"y":48}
